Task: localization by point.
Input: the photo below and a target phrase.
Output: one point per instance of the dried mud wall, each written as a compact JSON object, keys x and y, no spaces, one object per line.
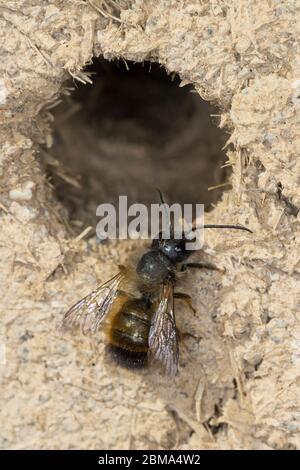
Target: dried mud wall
{"x":238,"y":385}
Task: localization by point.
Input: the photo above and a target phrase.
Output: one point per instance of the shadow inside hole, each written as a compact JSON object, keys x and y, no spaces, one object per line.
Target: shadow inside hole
{"x":130,"y":132}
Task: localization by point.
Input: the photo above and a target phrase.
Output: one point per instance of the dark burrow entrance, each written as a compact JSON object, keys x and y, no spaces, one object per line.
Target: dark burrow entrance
{"x":131,"y":131}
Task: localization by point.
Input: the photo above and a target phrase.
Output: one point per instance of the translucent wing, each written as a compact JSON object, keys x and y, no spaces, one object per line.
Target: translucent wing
{"x":163,"y":338}
{"x":89,"y":312}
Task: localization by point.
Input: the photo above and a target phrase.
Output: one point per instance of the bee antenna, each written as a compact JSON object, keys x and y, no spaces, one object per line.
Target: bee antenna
{"x":163,"y":202}
{"x":235,"y":227}
{"x":161,"y":196}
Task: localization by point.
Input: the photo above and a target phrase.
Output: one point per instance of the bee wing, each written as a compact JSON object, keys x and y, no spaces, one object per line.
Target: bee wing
{"x":89,"y":312}
{"x":163,"y":338}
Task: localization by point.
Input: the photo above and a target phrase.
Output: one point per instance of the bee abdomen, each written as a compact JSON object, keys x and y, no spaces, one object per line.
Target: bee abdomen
{"x":128,"y":359}
{"x":129,"y":332}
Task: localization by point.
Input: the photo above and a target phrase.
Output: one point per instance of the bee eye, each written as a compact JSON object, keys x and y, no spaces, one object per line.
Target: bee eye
{"x":180,"y":247}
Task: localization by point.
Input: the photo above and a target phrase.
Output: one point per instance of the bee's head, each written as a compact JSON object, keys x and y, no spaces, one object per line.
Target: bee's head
{"x":173,"y":248}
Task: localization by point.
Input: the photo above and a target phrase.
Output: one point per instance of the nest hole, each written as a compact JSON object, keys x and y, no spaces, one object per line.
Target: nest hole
{"x":133,"y":130}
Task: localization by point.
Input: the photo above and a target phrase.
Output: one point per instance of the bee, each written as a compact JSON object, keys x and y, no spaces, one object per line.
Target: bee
{"x":136,"y":306}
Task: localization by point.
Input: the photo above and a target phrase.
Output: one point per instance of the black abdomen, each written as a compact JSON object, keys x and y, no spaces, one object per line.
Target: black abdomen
{"x":129,"y":332}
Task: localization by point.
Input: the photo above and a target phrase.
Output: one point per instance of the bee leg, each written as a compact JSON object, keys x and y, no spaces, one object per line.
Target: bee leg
{"x":210,"y":266}
{"x":186,"y":298}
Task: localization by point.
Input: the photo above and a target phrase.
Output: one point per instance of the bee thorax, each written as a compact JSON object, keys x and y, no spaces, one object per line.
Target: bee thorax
{"x":154,"y":267}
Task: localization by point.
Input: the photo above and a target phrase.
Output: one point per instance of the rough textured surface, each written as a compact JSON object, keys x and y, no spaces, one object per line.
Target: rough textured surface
{"x":238,"y":385}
